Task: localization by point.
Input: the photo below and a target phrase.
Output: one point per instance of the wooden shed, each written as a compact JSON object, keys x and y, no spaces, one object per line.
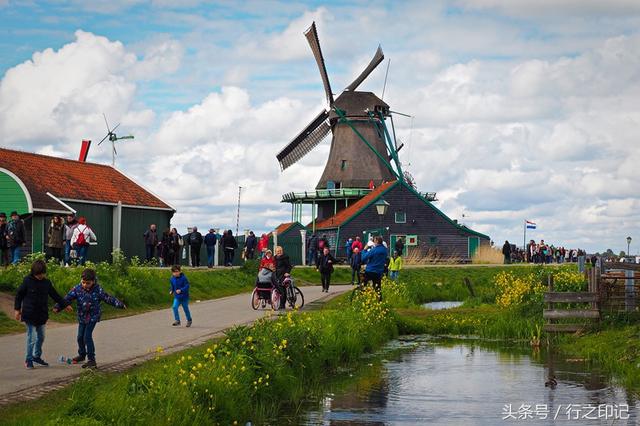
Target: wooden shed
{"x":117,"y":208}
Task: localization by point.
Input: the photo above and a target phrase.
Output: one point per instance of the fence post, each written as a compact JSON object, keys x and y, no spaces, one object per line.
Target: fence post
{"x":215,"y":249}
{"x":275,"y":240}
{"x":629,"y":290}
{"x":303,"y":237}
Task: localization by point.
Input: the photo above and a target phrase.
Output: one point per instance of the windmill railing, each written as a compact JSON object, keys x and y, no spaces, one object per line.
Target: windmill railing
{"x":326,"y":194}
{"x":429,"y":196}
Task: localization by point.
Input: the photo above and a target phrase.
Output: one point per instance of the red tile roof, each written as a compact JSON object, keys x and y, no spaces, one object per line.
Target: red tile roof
{"x":74,"y":180}
{"x":283,"y":227}
{"x":346,"y":214}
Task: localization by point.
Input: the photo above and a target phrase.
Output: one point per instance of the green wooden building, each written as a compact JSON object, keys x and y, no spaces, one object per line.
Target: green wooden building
{"x":117,"y":208}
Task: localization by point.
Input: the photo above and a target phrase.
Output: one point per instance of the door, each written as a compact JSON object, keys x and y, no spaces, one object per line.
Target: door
{"x":393,"y":240}
{"x":474,"y":243}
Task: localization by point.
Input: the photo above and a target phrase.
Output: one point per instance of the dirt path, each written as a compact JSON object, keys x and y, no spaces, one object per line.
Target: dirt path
{"x":6,"y":306}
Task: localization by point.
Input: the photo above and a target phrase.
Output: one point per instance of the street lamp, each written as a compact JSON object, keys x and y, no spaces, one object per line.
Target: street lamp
{"x":381,"y":206}
{"x":628,"y":244}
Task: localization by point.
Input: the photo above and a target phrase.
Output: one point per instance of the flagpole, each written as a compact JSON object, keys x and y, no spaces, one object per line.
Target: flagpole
{"x":524,"y":238}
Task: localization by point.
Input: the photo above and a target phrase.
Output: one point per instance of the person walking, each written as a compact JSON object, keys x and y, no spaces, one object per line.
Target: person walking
{"x":283,"y":268}
{"x":263,"y":245}
{"x":229,"y":245}
{"x":250,"y":246}
{"x":399,"y":246}
{"x":325,"y":266}
{"x":395,"y":265}
{"x":82,"y":236}
{"x":176,"y":244}
{"x":195,"y":244}
{"x":32,"y":308}
{"x":210,"y":241}
{"x":88,"y":296}
{"x":150,"y":237}
{"x":375,"y":257}
{"x":165,"y":250}
{"x":312,"y":250}
{"x":69,"y":227}
{"x":180,"y":292}
{"x":4,"y":241}
{"x":55,"y":237}
{"x":16,"y":237}
{"x":356,"y":263}
{"x":506,"y":252}
{"x":348,"y":249}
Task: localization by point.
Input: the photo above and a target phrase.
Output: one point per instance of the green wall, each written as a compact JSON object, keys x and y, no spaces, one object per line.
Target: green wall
{"x":100,"y":220}
{"x":12,"y":198}
{"x":135,"y":222}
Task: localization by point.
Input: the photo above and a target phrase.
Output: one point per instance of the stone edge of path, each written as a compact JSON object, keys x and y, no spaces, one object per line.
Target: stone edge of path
{"x":37,"y":391}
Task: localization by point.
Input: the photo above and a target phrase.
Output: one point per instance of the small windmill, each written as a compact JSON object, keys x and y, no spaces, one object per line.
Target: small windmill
{"x":113,"y":138}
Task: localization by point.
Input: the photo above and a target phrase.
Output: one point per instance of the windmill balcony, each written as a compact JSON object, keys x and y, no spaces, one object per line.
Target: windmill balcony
{"x":325,"y":194}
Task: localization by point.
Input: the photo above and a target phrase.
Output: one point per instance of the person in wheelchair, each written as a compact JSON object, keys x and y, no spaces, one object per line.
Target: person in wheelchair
{"x":283,"y":269}
{"x":266,"y":275}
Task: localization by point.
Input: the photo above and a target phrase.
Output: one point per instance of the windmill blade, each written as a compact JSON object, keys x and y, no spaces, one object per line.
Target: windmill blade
{"x":114,"y":149}
{"x":377,"y":58}
{"x":105,"y":138}
{"x":312,"y":37}
{"x":308,"y":139}
{"x":114,"y":129}
{"x":126,"y":137}
{"x":106,"y":122}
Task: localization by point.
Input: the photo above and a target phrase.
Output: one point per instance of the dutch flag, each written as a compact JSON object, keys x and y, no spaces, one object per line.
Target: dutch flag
{"x":530,"y":225}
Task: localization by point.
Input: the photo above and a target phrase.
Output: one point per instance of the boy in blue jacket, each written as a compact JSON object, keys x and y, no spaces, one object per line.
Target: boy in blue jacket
{"x":88,"y":295}
{"x":375,"y":258}
{"x":180,"y":292}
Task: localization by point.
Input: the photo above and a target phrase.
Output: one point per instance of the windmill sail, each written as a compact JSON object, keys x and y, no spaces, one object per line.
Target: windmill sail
{"x":377,"y":58}
{"x":312,"y":38}
{"x":308,"y":139}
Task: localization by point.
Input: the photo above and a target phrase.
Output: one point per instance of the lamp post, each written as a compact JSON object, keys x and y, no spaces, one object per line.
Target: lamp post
{"x":381,"y":207}
{"x":628,"y":244}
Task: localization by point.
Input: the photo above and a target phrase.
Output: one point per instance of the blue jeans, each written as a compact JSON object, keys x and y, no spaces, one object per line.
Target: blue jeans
{"x":67,"y":252}
{"x":35,"y":339}
{"x":85,"y":340}
{"x":393,"y":275}
{"x":81,"y":252}
{"x":15,"y":254}
{"x":311,"y":258}
{"x":210,"y":253}
{"x":184,"y":302}
{"x":150,"y":251}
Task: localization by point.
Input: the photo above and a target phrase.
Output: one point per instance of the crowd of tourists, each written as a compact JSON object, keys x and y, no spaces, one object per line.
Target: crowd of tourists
{"x":66,"y":241}
{"x":540,"y":253}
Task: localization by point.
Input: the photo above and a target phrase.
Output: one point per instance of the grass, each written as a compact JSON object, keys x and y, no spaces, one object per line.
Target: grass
{"x":246,"y":376}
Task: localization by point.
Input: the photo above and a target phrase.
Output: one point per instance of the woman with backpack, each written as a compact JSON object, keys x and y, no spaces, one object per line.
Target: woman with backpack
{"x":82,"y":236}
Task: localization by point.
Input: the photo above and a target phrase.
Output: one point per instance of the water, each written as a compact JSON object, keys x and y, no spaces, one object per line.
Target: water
{"x":442,"y":305}
{"x":469,"y":383}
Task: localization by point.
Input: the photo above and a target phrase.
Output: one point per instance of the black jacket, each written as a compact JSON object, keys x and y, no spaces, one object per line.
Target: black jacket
{"x":229,"y":242}
{"x":283,"y":266}
{"x":506,"y":249}
{"x":195,"y":239}
{"x":324,"y":266}
{"x":3,"y":237}
{"x":32,"y":298}
{"x":16,"y":232}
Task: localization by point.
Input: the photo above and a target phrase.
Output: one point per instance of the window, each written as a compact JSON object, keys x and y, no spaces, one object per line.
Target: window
{"x":433,"y":240}
{"x":343,"y":165}
{"x":401,"y":217}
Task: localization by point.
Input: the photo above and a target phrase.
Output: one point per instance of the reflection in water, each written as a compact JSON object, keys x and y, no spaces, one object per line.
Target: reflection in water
{"x":464,"y":382}
{"x":442,"y":305}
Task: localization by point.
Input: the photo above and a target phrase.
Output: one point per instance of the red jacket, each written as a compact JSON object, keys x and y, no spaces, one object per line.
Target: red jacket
{"x":263,"y":243}
{"x":355,"y":244}
{"x":268,"y":263}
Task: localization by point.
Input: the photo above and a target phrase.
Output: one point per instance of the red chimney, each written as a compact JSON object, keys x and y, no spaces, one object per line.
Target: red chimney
{"x":84,"y":150}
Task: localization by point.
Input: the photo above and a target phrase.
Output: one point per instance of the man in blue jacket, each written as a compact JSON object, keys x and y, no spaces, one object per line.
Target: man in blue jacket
{"x":375,"y":258}
{"x":210,"y":241}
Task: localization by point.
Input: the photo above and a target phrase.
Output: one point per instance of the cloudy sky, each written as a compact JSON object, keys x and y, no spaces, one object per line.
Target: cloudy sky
{"x":521,"y":109}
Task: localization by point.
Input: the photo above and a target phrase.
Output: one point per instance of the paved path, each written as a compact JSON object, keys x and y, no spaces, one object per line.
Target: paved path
{"x":126,"y":341}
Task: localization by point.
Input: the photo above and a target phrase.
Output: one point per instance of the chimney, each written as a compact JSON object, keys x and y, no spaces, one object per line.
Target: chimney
{"x":84,"y":150}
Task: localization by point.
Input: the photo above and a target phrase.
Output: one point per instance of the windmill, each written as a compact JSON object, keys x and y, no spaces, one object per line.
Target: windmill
{"x":113,"y":138}
{"x":362,"y":150}
{"x":359,"y":147}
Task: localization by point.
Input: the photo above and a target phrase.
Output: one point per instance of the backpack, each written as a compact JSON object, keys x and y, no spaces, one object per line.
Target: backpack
{"x":82,"y":240}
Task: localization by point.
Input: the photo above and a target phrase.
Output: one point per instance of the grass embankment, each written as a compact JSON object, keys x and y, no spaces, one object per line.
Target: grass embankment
{"x":246,"y":376}
{"x":142,"y":289}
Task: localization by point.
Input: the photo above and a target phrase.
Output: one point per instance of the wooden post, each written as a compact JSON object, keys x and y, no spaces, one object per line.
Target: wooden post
{"x":551,"y":305}
{"x":467,"y":281}
{"x":629,"y":291}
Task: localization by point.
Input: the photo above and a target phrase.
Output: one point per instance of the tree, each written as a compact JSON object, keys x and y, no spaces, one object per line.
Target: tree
{"x":622,"y":254}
